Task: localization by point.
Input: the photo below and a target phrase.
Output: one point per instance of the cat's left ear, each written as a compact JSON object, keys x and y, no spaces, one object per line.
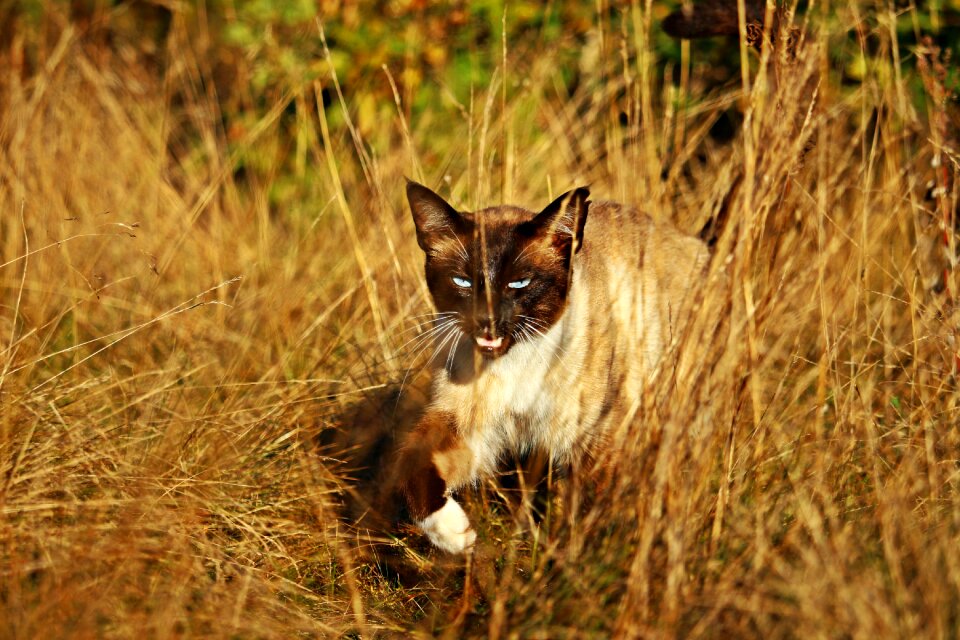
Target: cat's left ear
{"x":564,"y":218}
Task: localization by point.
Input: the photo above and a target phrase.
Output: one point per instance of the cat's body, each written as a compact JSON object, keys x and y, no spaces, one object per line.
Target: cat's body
{"x":613,"y":296}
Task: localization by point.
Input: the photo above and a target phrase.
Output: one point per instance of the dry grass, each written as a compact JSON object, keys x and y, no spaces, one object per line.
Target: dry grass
{"x":174,"y":348}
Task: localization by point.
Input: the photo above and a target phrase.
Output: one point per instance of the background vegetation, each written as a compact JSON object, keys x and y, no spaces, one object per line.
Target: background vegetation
{"x":209,"y":287}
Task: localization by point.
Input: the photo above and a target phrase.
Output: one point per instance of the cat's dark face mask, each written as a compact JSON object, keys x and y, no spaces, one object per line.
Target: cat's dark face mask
{"x":501,"y":275}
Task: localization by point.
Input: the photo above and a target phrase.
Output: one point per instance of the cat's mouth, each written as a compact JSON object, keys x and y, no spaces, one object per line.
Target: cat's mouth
{"x":490,"y":346}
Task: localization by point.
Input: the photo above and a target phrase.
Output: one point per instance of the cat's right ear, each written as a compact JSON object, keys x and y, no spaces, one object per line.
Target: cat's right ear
{"x":433,"y":216}
{"x":563,"y":219}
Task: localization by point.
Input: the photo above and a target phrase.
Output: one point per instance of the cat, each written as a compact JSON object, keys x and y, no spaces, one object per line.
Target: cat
{"x":546,"y":322}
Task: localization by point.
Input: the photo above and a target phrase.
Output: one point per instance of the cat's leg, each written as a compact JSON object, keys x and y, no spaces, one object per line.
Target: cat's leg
{"x":434,"y":462}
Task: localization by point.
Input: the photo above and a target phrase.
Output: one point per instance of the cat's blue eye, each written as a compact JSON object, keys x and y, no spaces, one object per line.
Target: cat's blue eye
{"x":463,"y":283}
{"x":519,"y":284}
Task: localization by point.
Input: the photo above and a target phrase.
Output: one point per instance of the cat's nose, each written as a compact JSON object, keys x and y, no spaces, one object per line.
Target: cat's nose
{"x":488,"y":331}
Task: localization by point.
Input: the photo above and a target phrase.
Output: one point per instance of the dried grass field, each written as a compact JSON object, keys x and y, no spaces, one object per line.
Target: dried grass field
{"x":204,"y":328}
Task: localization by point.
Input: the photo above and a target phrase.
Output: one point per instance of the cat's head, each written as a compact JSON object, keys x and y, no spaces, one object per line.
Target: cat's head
{"x":502,"y":273}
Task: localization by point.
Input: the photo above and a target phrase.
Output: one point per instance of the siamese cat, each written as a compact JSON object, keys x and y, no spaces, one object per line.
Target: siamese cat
{"x":546,"y":323}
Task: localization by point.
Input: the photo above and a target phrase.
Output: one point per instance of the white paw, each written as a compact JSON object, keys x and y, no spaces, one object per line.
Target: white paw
{"x":448,"y":528}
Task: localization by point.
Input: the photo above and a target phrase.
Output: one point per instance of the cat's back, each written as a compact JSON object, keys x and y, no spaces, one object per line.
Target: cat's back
{"x":620,"y":237}
{"x":639,"y":275}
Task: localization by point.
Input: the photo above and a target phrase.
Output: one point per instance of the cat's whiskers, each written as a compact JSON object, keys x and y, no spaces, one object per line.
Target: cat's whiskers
{"x":434,"y":314}
{"x":527,"y":337}
{"x":422,"y":343}
{"x":521,"y":337}
{"x":534,"y":321}
{"x":431,"y":317}
{"x":435,"y":338}
{"x":429,"y":332}
{"x":449,"y":335}
{"x":402,"y":320}
{"x":531,"y":319}
{"x":451,"y":356}
{"x":443,"y":329}
{"x":541,"y":328}
{"x":425,"y":318}
{"x":526,"y":331}
{"x":556,"y":355}
{"x":544,"y":336}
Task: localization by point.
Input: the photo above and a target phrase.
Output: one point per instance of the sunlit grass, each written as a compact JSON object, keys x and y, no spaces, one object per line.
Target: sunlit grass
{"x":195,"y":374}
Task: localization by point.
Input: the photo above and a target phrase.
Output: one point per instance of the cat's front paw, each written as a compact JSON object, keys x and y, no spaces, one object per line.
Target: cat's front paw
{"x":449,"y":528}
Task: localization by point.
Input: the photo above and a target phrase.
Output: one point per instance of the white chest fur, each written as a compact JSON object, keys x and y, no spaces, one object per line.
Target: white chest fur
{"x":512,"y":403}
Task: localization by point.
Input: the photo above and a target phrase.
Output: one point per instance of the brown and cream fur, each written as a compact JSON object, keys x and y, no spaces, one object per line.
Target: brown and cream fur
{"x":606,"y":291}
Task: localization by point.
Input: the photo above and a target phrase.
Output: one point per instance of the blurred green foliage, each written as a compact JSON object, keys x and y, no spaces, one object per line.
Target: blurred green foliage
{"x":453,"y":44}
{"x":427,"y":46}
{"x":434,"y":50}
{"x":261,"y":52}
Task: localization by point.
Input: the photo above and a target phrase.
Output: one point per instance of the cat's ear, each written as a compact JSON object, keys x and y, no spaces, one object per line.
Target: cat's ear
{"x":432,"y":215}
{"x":564,"y":218}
